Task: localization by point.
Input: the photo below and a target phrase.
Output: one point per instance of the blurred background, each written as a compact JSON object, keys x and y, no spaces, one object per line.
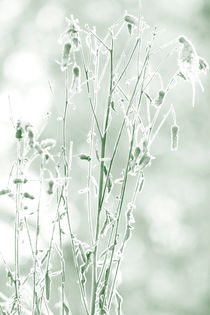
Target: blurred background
{"x":166,"y":268}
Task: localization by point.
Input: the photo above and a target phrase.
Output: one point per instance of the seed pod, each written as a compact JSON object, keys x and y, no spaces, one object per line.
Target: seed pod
{"x":85,"y":157}
{"x":159,"y":100}
{"x":65,"y":56}
{"x":145,"y":160}
{"x":174,"y":137}
{"x":141,"y":182}
{"x":10,"y":279}
{"x":28,"y":196}
{"x":130,"y":28}
{"x":20,"y":181}
{"x":76,"y":43}
{"x":76,"y":71}
{"x":50,"y":187}
{"x":19,"y":131}
{"x":4,"y":192}
{"x":137,"y":152}
{"x":203,"y":66}
{"x":47,"y":285}
{"x":30,"y":137}
{"x":130,"y":19}
{"x":76,"y":84}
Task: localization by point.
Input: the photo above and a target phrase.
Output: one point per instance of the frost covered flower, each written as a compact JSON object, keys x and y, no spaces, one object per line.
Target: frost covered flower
{"x":190,"y":64}
{"x":76,"y":80}
{"x":65,"y":56}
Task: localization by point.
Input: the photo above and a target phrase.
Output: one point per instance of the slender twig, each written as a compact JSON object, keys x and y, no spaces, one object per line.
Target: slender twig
{"x":35,"y":273}
{"x":65,"y":192}
{"x":101,"y":181}
{"x":17,"y":228}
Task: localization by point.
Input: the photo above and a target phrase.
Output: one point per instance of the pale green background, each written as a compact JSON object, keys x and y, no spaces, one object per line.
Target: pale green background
{"x":166,"y":268}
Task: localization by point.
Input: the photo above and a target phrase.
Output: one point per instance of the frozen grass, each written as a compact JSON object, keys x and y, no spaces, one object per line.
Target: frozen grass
{"x":136,"y":103}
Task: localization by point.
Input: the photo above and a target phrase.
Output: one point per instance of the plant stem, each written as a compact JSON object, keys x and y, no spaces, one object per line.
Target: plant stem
{"x":122,"y":249}
{"x":35,"y":298}
{"x":101,"y":180}
{"x":119,"y":210}
{"x":65,"y":192}
{"x":17,"y":228}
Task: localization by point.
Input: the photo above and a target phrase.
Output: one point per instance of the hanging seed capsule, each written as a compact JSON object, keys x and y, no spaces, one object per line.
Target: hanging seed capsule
{"x":76,"y":43}
{"x":50,"y":187}
{"x":137,"y":152}
{"x":141,"y":183}
{"x":10,"y":279}
{"x":203,"y":66}
{"x":28,"y":196}
{"x":20,"y":181}
{"x":4,"y":192}
{"x":159,"y":100}
{"x":30,"y":133}
{"x":19,"y":131}
{"x":47,"y":285}
{"x":145,"y":160}
{"x":65,"y":56}
{"x":85,"y":157}
{"x":76,"y":71}
{"x":130,"y":28}
{"x":174,"y":137}
{"x":76,"y":84}
{"x":130,"y":19}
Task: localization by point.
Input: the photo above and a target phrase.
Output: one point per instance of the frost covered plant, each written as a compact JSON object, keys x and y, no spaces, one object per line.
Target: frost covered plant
{"x":127,"y":84}
{"x":190,"y":64}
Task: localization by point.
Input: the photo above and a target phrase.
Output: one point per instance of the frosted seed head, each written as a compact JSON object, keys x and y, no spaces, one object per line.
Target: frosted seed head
{"x":137,"y":152}
{"x":50,"y":187}
{"x":47,"y":285}
{"x":20,"y":181}
{"x":159,"y":100}
{"x":182,"y":39}
{"x":76,"y":43}
{"x":130,"y":28}
{"x":130,"y":19}
{"x":174,"y":137}
{"x":203,"y":65}
{"x":4,"y":192}
{"x":28,"y":196}
{"x":76,"y":71}
{"x":19,"y":130}
{"x":145,"y":160}
{"x":65,"y":56}
{"x":85,"y":157}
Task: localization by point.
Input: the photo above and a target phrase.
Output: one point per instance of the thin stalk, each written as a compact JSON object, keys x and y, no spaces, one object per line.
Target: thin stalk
{"x":125,"y":178}
{"x":101,"y":182}
{"x":65,"y":192}
{"x":126,"y":66}
{"x":35,"y":298}
{"x":89,"y":97}
{"x":121,"y":129}
{"x":119,"y":210}
{"x":62,"y":264}
{"x":160,"y":126}
{"x":122,"y":248}
{"x":91,"y":150}
{"x":17,"y":229}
